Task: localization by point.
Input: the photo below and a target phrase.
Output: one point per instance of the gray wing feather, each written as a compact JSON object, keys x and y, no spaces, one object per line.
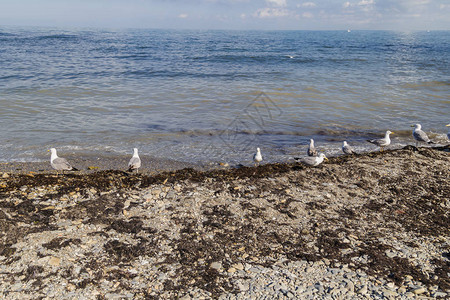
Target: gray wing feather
{"x":135,"y":163}
{"x":310,"y":161}
{"x":312,"y":151}
{"x":348,"y":150}
{"x":421,"y":136}
{"x":61,"y":164}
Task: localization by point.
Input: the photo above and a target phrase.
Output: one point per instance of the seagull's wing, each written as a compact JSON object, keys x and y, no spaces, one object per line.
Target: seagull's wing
{"x":60,"y":163}
{"x":310,"y":160}
{"x":312,"y":151}
{"x":348,"y":150}
{"x":421,"y":136}
{"x":135,"y":163}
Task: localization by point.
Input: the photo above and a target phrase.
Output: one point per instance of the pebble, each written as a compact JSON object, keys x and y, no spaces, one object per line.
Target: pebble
{"x":54,"y":261}
{"x":217,"y":265}
{"x":419,"y":290}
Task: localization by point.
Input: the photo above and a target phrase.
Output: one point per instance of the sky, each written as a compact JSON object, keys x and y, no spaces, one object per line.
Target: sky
{"x":230,"y":14}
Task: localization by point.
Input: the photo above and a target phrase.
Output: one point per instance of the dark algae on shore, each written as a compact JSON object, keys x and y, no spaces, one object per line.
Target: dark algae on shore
{"x":169,"y":234}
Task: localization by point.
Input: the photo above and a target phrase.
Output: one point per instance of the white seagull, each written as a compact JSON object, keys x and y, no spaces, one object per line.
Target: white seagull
{"x":257,"y":157}
{"x":311,"y":149}
{"x":135,"y":162}
{"x":420,"y":135}
{"x":59,"y":163}
{"x":384,"y":142}
{"x":347,"y":149}
{"x":313,"y":160}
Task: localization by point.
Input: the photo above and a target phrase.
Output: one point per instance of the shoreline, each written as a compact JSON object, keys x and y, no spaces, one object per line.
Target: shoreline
{"x":371,"y":226}
{"x":151,"y":165}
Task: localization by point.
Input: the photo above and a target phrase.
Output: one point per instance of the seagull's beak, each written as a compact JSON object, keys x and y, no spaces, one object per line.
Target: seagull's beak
{"x":48,"y":150}
{"x":325,"y":158}
{"x":448,"y":125}
{"x":413,"y":126}
{"x":394,"y":132}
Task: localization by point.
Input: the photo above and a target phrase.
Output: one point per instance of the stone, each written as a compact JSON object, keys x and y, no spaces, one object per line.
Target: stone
{"x":389,"y":293}
{"x":390,"y":254}
{"x":362,"y":290}
{"x":419,"y":290}
{"x":5,"y":175}
{"x":217,"y":265}
{"x":231,"y":270}
{"x":54,"y":261}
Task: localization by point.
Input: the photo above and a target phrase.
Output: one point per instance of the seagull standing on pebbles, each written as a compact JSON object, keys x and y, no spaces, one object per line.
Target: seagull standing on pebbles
{"x":347,"y":149}
{"x":135,"y":162}
{"x":311,"y":149}
{"x":313,"y":160}
{"x":59,"y":163}
{"x":384,"y":142}
{"x":257,"y":157}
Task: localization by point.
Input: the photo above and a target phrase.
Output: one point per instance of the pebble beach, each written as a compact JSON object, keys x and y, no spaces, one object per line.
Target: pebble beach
{"x":369,"y":226}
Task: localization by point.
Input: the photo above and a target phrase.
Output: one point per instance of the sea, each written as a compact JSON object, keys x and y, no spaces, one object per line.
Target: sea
{"x":203,"y":96}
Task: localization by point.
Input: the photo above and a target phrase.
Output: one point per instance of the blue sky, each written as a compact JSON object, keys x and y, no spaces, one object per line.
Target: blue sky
{"x":230,"y":14}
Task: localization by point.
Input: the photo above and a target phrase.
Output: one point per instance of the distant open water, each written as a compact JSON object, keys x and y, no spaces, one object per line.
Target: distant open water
{"x":202,"y":96}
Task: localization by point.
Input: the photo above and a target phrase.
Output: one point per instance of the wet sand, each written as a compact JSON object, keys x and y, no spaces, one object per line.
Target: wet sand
{"x":375,"y":226}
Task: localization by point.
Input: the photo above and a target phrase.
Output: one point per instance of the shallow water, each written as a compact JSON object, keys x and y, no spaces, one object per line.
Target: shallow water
{"x":200,"y":96}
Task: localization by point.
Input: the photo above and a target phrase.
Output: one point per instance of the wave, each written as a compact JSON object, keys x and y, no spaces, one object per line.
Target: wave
{"x":426,"y":84}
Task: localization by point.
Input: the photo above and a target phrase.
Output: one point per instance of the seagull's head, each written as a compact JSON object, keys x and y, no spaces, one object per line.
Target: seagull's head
{"x":135,"y":150}
{"x":52,"y":150}
{"x":448,"y":125}
{"x":344,"y":143}
{"x":322,"y":155}
{"x":258,"y":150}
{"x":417,"y":126}
{"x":389,"y":132}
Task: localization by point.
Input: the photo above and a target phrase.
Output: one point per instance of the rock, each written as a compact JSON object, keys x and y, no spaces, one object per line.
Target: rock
{"x":362,"y":290}
{"x":5,"y":175}
{"x":389,"y":293}
{"x":419,"y":290}
{"x":238,"y":266}
{"x":390,"y":254}
{"x":231,"y":270}
{"x":217,"y":265}
{"x":54,"y":261}
{"x":439,"y":295}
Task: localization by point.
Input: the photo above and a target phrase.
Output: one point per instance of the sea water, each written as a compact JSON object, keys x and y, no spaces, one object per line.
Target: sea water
{"x":208,"y":96}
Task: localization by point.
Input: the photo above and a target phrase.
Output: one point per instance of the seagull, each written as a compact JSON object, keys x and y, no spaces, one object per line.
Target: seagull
{"x":420,"y":135}
{"x":135,"y":162}
{"x":59,"y":163}
{"x":347,"y":149}
{"x":311,"y":149}
{"x":257,"y":157}
{"x":386,"y":141}
{"x":312,"y":160}
{"x":448,"y":133}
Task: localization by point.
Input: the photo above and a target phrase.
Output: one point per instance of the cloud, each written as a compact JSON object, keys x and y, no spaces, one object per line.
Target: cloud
{"x":279,"y":3}
{"x":271,"y":13}
{"x":182,"y":16}
{"x":307,"y":4}
{"x":364,"y":5}
{"x":307,"y":15}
